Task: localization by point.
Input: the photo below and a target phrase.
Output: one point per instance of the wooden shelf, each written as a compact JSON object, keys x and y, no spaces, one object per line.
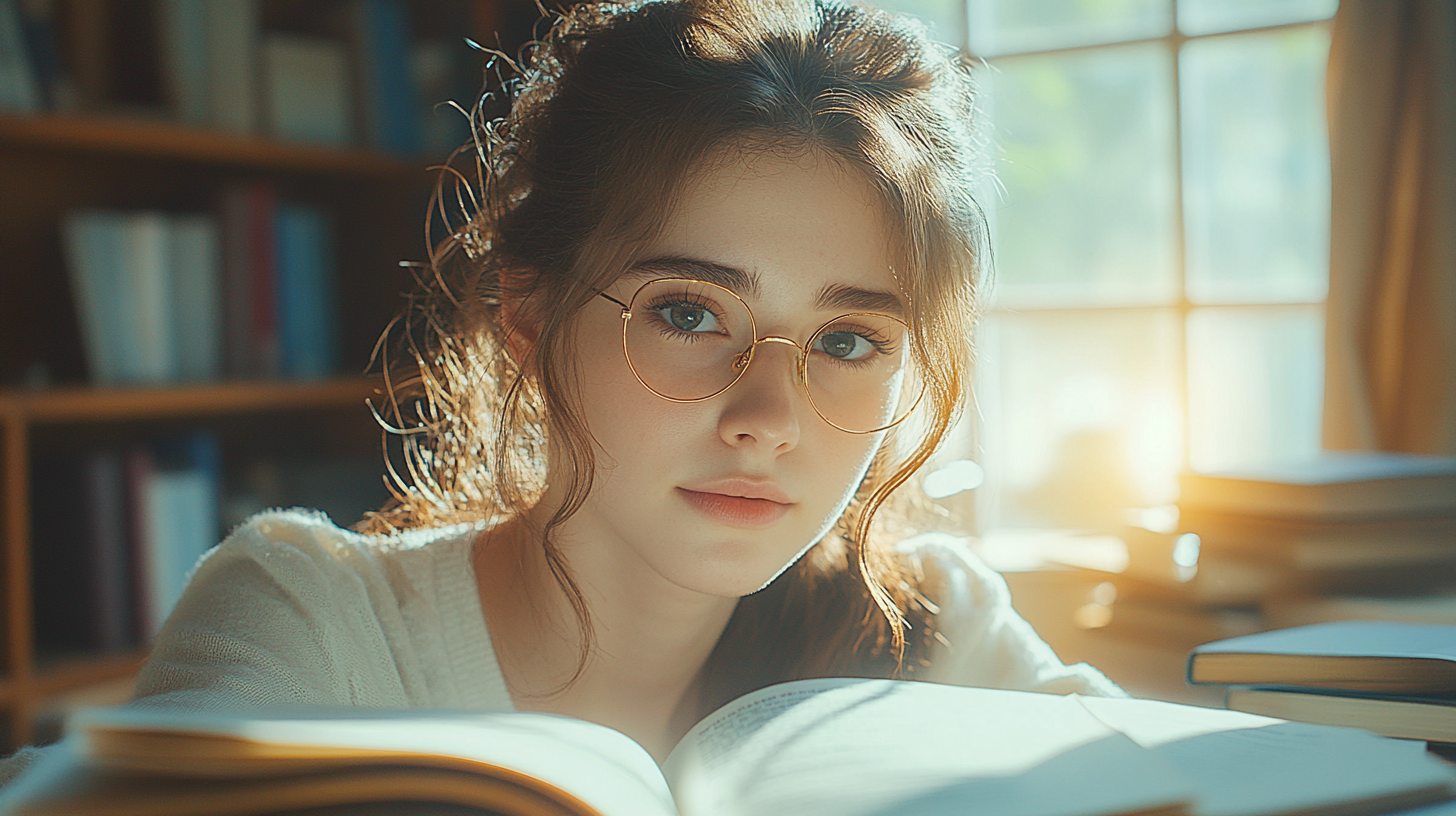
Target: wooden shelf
{"x":171,"y":141}
{"x":85,"y":404}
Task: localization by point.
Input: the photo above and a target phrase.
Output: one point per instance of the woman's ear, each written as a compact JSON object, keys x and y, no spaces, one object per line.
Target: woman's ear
{"x":520,"y":318}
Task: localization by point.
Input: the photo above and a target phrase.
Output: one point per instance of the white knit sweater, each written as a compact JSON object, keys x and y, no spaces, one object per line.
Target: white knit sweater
{"x":292,"y":609}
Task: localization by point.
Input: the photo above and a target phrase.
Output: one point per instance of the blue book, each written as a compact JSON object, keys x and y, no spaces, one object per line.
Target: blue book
{"x":390,"y":105}
{"x":1371,"y":656}
{"x":19,"y":90}
{"x":305,"y":293}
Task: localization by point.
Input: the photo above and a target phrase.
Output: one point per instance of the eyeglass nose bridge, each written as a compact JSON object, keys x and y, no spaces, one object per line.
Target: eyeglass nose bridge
{"x":743,"y":358}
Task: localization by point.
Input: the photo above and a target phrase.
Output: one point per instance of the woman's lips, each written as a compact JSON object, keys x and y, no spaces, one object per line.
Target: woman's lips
{"x":735,"y":511}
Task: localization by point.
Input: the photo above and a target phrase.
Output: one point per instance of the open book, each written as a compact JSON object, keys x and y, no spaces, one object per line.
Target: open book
{"x":810,"y":748}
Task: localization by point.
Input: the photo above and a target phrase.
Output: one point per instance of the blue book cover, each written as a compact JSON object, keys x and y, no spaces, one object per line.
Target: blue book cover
{"x":306,"y":324}
{"x":390,"y":103}
{"x":19,"y":90}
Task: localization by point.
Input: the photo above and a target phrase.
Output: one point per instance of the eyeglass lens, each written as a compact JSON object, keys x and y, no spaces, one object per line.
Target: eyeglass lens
{"x":689,"y":340}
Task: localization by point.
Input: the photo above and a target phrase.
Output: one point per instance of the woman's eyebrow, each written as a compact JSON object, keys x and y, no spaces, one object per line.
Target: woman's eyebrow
{"x":855,"y":299}
{"x":743,"y":282}
{"x":833,"y":296}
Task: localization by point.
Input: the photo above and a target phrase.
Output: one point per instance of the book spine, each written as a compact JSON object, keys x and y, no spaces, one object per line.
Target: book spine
{"x":138,"y":473}
{"x":263,"y":282}
{"x":59,"y":546}
{"x":237,"y":292}
{"x":196,"y":306}
{"x":182,"y":501}
{"x":232,"y":39}
{"x":39,"y":20}
{"x":19,"y":89}
{"x":106,"y":517}
{"x":146,"y":299}
{"x":383,"y":46}
{"x":93,"y":243}
{"x":184,"y":47}
{"x":308,"y":89}
{"x":305,"y":304}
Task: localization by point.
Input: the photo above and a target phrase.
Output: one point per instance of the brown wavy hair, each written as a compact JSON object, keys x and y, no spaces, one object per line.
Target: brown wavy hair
{"x":609,"y":112}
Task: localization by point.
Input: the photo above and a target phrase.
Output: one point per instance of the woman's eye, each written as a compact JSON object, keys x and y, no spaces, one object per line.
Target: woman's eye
{"x":689,"y":318}
{"x":845,"y":345}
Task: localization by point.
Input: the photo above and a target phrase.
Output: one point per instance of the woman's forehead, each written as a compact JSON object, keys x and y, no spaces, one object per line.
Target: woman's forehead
{"x":790,"y":225}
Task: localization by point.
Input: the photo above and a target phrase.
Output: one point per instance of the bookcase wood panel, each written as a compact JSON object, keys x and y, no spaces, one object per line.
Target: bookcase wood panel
{"x":176,"y":143}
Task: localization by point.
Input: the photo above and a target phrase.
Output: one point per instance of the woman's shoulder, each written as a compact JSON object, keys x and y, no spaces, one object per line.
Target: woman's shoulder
{"x":951,"y":575}
{"x":294,"y":543}
{"x":982,"y":639}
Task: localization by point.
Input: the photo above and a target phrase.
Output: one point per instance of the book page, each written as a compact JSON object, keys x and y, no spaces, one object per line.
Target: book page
{"x":578,"y":762}
{"x":1244,"y":764}
{"x":870,"y":747}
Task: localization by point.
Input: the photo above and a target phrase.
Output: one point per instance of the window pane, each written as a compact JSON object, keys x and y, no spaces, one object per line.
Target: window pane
{"x":946,"y":18}
{"x":1256,"y":178}
{"x":1087,"y":161}
{"x":1208,"y":16}
{"x":1255,"y":385}
{"x":1081,"y":416}
{"x":1008,"y":26}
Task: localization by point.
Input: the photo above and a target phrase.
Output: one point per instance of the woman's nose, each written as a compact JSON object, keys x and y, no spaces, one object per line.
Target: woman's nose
{"x":762,"y":409}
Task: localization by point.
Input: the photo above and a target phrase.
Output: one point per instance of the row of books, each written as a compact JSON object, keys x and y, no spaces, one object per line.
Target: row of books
{"x":115,"y":533}
{"x":165,"y":298}
{"x":117,"y":530}
{"x":212,"y":63}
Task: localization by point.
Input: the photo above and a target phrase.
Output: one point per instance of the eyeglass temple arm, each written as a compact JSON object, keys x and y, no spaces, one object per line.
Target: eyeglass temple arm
{"x":625,"y":307}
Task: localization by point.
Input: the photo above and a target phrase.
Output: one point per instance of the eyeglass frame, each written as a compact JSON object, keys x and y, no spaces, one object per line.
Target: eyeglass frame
{"x":744,"y":359}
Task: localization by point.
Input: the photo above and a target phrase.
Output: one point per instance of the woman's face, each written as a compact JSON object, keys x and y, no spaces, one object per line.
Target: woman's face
{"x":720,"y":496}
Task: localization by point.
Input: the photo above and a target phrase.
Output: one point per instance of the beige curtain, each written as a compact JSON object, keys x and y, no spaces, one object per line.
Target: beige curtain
{"x":1390,"y":376}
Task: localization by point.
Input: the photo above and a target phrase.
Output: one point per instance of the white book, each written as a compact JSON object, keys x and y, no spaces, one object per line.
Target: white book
{"x":19,"y":90}
{"x":308,"y":89}
{"x":197,"y":298}
{"x":232,"y":43}
{"x":149,"y":353}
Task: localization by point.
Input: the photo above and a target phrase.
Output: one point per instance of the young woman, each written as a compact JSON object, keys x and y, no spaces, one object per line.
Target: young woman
{"x":709,"y":311}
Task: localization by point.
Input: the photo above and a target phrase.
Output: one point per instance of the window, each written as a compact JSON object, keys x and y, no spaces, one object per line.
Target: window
{"x":1161,"y":229}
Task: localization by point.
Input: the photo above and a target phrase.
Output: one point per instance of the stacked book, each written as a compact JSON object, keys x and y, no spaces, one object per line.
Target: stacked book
{"x":115,"y":533}
{"x":165,"y":298}
{"x":1395,"y":679}
{"x":1352,"y":523}
{"x":1345,"y":535}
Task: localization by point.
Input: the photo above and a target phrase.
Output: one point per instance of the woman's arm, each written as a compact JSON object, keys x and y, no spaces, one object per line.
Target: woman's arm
{"x":987,"y":643}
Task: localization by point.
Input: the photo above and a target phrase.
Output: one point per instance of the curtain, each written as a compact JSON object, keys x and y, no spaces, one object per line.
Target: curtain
{"x":1390,"y":372}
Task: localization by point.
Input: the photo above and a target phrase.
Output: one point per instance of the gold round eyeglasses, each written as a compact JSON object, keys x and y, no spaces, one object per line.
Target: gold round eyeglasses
{"x":688,"y":340}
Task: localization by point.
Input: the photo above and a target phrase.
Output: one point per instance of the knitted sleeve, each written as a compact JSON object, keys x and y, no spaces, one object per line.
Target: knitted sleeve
{"x":281,"y":612}
{"x":985,"y":642}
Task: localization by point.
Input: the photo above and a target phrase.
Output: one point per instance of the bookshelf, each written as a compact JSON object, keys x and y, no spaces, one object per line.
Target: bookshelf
{"x":55,"y":163}
{"x":124,"y":141}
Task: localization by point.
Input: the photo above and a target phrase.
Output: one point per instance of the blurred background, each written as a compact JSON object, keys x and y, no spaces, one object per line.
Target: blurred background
{"x":204,"y":205}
